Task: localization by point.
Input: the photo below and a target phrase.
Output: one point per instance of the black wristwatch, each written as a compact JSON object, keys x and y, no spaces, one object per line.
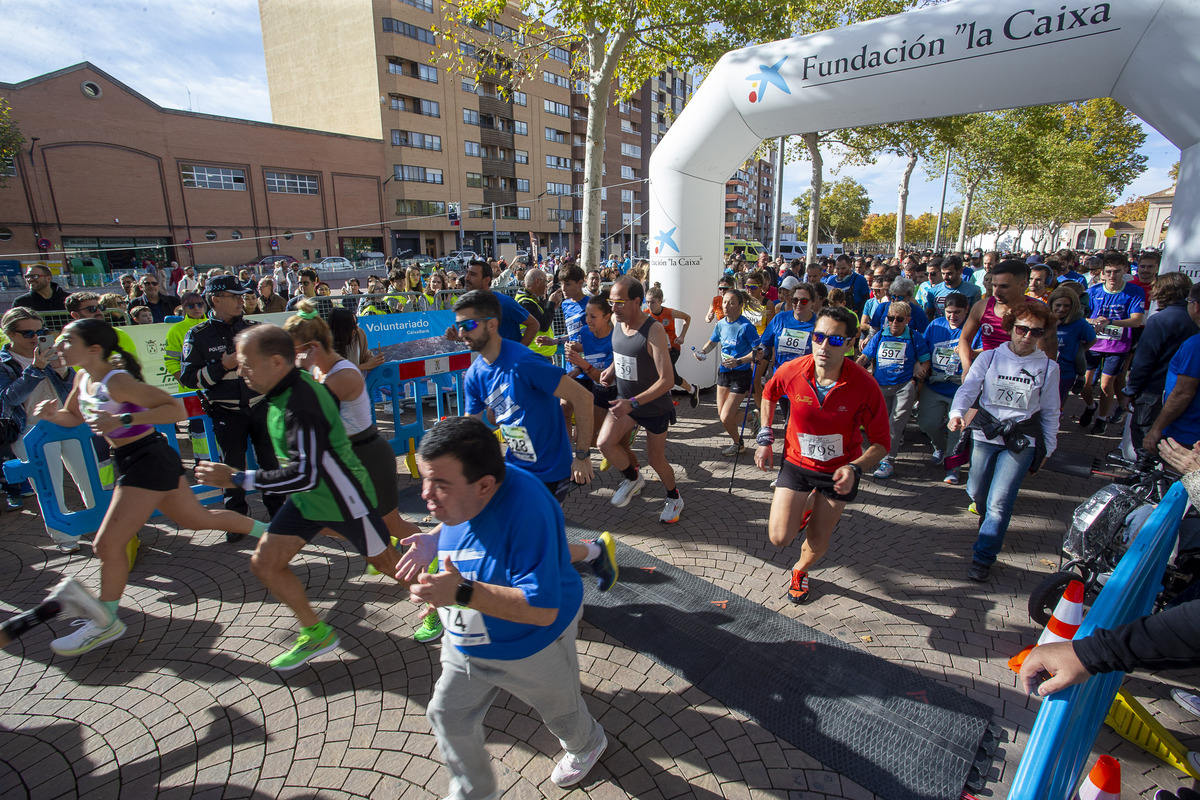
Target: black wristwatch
{"x":857,"y":469}
{"x":126,"y":419}
{"x":462,"y":596}
{"x":583,"y":455}
{"x":633,"y":401}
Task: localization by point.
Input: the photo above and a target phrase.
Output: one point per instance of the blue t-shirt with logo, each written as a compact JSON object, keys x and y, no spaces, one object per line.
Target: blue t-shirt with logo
{"x":737,"y":339}
{"x":1070,"y":338}
{"x":935,"y":298}
{"x":788,"y":337}
{"x":855,"y":286}
{"x":896,"y":357}
{"x":597,"y":351}
{"x":1115,"y":305}
{"x":946,"y":374}
{"x":919,"y":321}
{"x":574,"y":313}
{"x":519,"y":390}
{"x":1185,"y":429}
{"x":518,"y":541}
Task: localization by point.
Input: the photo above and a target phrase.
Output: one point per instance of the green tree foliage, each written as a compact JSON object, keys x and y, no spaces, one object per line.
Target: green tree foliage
{"x":911,"y":141}
{"x":844,"y":207}
{"x":1133,"y":209}
{"x":11,"y":139}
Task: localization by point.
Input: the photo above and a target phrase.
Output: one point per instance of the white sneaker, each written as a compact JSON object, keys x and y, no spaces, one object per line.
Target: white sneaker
{"x":1187,"y":701}
{"x":672,"y":510}
{"x":89,"y":636}
{"x":571,"y":769}
{"x":951,"y":477}
{"x":78,"y":602}
{"x":628,"y":490}
{"x":937,"y":457}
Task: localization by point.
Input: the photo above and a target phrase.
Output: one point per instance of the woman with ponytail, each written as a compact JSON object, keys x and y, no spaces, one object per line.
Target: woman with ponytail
{"x":109,"y":396}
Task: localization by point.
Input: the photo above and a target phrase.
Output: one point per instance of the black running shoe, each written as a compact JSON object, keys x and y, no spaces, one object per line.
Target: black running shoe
{"x":1085,"y":418}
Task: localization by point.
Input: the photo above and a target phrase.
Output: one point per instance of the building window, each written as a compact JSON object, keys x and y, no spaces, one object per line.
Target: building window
{"x":523,"y":212}
{"x":627,"y":196}
{"x":8,"y":167}
{"x":473,"y":149}
{"x":520,"y":157}
{"x":631,"y":150}
{"x":627,"y":126}
{"x":396,"y":67}
{"x":424,"y":5}
{"x":417,"y":174}
{"x":561,"y":81}
{"x":560,"y":54}
{"x":579,"y":86}
{"x":558,"y":188}
{"x":426,"y":208}
{"x":427,"y":73}
{"x":468,"y":50}
{"x":560,"y":109}
{"x":430,"y":108}
{"x":522,"y":184}
{"x":408,"y":29}
{"x":628,"y":172}
{"x":520,"y":128}
{"x":520,"y":98}
{"x":578,"y":165}
{"x":470,"y":116}
{"x":553,"y":135}
{"x":421,"y":141}
{"x":468,"y":85}
{"x":291,"y":183}
{"x":199,"y":177}
{"x":475,"y":180}
{"x":558,"y":162}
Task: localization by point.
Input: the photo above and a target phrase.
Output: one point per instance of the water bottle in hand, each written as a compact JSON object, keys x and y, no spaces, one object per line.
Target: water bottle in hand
{"x":699,"y":355}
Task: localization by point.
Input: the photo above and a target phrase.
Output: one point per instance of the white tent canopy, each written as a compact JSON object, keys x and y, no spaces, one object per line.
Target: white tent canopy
{"x":956,"y":58}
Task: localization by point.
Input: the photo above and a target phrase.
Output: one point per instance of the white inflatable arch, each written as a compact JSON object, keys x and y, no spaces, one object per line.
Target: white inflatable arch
{"x":960,"y":57}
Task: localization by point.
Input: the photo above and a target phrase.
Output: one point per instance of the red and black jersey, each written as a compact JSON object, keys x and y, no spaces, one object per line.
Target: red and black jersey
{"x":853,"y":403}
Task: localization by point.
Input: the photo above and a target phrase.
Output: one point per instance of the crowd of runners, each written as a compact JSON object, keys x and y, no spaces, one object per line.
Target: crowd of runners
{"x":980,"y":351}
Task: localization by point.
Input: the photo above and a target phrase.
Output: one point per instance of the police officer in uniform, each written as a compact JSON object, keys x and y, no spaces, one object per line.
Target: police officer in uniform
{"x":237,"y":412}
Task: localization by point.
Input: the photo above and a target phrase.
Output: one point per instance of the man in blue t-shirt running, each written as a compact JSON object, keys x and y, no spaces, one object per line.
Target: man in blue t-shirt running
{"x":508,"y":598}
{"x":479,"y":277}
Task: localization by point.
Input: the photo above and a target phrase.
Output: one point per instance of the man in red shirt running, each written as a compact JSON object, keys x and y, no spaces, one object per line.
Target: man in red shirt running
{"x":832,"y":399}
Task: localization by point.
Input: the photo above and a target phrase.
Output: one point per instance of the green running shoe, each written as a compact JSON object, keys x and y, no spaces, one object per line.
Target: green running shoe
{"x":973,"y":509}
{"x":430,"y":630}
{"x":312,"y":642}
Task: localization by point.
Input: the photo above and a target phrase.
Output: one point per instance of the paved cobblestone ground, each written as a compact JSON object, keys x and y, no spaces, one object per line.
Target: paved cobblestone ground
{"x":184,"y":705}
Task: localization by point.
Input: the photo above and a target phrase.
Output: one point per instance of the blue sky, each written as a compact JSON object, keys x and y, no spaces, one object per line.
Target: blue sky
{"x":209,"y":58}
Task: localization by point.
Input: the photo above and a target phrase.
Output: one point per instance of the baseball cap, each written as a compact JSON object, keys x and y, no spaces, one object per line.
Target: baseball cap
{"x":790,"y":282}
{"x":224,"y":283}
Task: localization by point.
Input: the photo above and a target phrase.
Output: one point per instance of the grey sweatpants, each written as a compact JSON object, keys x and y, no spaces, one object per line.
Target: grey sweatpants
{"x":548,"y":681}
{"x":900,"y":400}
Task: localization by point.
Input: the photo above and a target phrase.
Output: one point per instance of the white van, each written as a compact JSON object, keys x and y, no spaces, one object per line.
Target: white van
{"x":795,"y":249}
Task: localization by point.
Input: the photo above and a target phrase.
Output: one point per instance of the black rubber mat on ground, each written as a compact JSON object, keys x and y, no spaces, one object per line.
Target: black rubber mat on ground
{"x":883,"y":726}
{"x":1069,"y":462}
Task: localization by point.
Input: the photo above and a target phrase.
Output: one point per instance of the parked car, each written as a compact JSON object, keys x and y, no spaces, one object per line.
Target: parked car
{"x":465,"y":255}
{"x":270,"y":260}
{"x":333,"y":263}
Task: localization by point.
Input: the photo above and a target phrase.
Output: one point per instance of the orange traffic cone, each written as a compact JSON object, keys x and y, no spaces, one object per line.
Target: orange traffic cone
{"x":1067,"y":617}
{"x":1103,"y":782}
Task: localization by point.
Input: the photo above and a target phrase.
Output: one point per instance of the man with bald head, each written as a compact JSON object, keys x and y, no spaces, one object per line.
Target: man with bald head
{"x":533,"y":299}
{"x":326,"y":485}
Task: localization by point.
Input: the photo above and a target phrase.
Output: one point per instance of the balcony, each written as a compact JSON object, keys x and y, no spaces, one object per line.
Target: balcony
{"x":495,"y":166}
{"x":500,"y":197}
{"x":495,"y":106}
{"x":490,"y":137}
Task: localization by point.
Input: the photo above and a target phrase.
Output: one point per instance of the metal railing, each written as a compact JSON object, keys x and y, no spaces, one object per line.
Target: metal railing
{"x":1068,"y":721}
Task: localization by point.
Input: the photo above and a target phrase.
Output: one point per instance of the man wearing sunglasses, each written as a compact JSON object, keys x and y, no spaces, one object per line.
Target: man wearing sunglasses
{"x":209,"y":365}
{"x":86,"y":305}
{"x":832,"y":400}
{"x":44,"y":294}
{"x":512,"y":316}
{"x":161,"y":305}
{"x":899,"y":357}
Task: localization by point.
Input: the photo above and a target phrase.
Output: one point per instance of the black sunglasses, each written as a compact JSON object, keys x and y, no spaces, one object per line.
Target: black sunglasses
{"x":32,"y":334}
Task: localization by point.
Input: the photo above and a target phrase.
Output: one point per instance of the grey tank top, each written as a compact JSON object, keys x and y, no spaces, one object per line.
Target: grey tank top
{"x":635,"y":367}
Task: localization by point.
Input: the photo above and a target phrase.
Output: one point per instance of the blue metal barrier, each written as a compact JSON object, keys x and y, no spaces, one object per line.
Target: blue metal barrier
{"x":1068,"y":721}
{"x":87,"y":521}
{"x":395,"y":379}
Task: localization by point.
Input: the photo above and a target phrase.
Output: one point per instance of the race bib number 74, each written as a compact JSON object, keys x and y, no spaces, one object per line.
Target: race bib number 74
{"x":464,"y":626}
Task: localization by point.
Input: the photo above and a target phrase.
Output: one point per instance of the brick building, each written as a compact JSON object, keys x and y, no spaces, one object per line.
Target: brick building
{"x":107,"y":173}
{"x":750,"y":200}
{"x":364,"y":69}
